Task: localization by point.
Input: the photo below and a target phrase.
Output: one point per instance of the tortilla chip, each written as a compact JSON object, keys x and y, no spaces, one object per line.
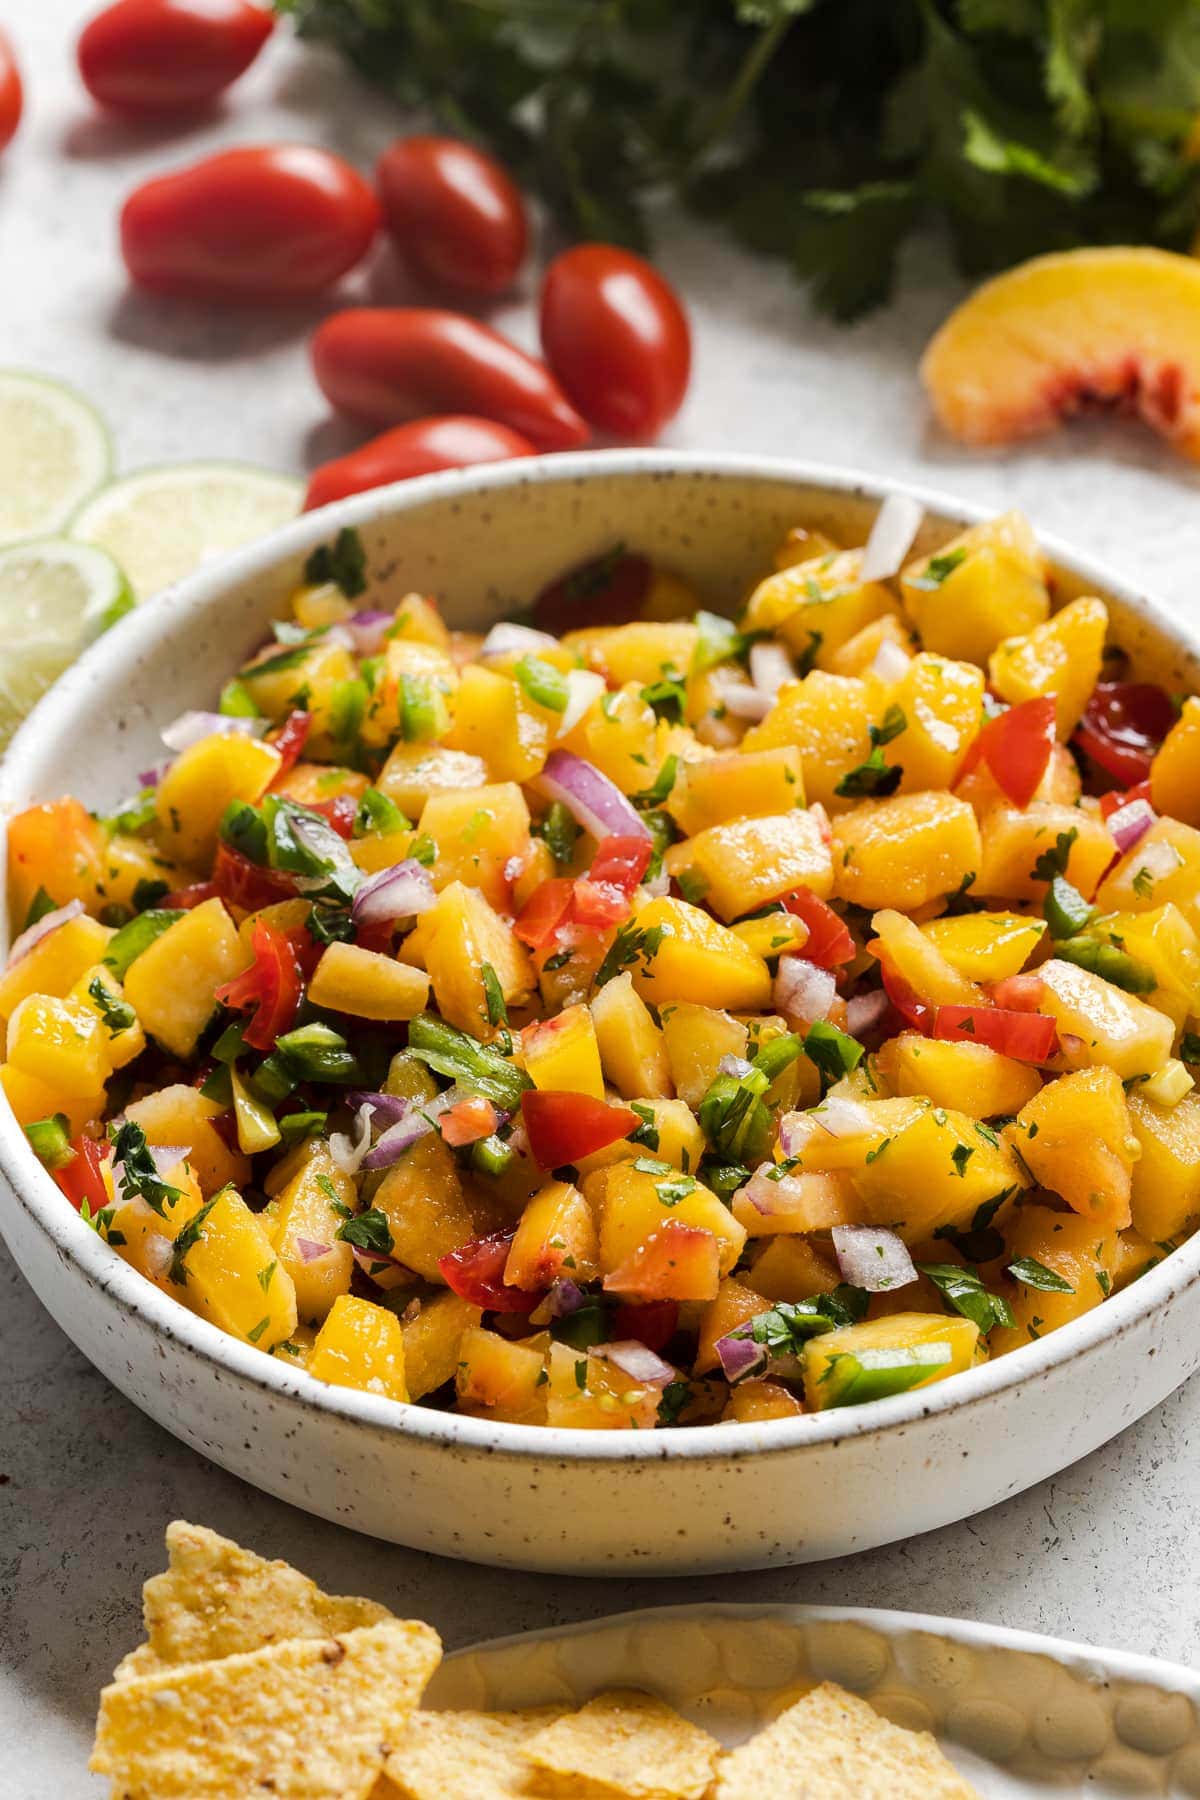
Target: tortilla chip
{"x":623,"y":1746}
{"x":464,"y":1755}
{"x":310,"y":1719}
{"x":833,"y":1746}
{"x":217,"y":1599}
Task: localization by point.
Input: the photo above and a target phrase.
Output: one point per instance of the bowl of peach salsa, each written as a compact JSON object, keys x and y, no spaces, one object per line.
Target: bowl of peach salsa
{"x":621,"y":1017}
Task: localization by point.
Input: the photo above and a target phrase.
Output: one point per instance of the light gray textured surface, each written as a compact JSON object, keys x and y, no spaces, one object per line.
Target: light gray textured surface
{"x":1105,"y":1552}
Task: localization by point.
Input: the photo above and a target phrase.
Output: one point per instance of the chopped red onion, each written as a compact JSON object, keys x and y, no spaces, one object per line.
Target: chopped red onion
{"x":191,"y":727}
{"x":803,"y":991}
{"x":843,"y":1118}
{"x":41,"y":928}
{"x":1069,"y":1044}
{"x":896,"y":525}
{"x":395,"y":1141}
{"x":401,"y":892}
{"x":737,"y":1066}
{"x":1130,"y":823}
{"x":563,"y":1298}
{"x":592,"y":799}
{"x":368,"y":628}
{"x":510,"y":639}
{"x":873,"y":1259}
{"x":371,"y":1262}
{"x":864,"y":1012}
{"x":348,"y":1152}
{"x":770,"y":667}
{"x":890,"y":662}
{"x":636,"y":1361}
{"x":386,"y":1109}
{"x":310,"y":1250}
{"x":584,"y":688}
{"x":772,"y":1195}
{"x":795,"y":1130}
{"x":740,"y":1356}
{"x":150,"y":778}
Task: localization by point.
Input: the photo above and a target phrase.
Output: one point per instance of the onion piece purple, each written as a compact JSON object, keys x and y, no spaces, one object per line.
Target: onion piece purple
{"x":310,"y":1250}
{"x":563,"y":1297}
{"x":803,"y":991}
{"x":770,"y":667}
{"x":1130,"y":823}
{"x":386,"y":1109}
{"x":865,"y":1011}
{"x":737,"y":1066}
{"x":150,"y":778}
{"x":510,"y":639}
{"x":873,"y":1259}
{"x":896,"y":525}
{"x":772,"y":1195}
{"x":42,"y":928}
{"x":740,"y":1356}
{"x":367,"y":629}
{"x":401,"y":892}
{"x":635,"y":1360}
{"x":590,"y":797}
{"x":395,"y":1141}
{"x":192,"y":727}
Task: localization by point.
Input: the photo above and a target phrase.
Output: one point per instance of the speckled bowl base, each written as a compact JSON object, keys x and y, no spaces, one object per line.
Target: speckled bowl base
{"x":1017,"y":1714}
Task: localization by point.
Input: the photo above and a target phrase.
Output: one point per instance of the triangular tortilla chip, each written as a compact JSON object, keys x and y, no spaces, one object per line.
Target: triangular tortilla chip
{"x":833,"y":1746}
{"x":217,"y":1599}
{"x":623,"y":1746}
{"x":464,"y":1755}
{"x":310,"y":1719}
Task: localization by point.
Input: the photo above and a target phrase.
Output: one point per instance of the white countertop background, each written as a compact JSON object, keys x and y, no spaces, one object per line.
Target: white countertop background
{"x":1107,"y":1551}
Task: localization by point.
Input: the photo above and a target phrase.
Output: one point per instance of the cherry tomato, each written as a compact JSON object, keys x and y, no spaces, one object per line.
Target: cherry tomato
{"x":242,"y":883}
{"x":829,"y":942}
{"x":267,"y":223}
{"x":388,"y":364}
{"x":563,"y":1127}
{"x":271,"y":985}
{"x":602,"y":896}
{"x":475,"y":1272}
{"x":152,"y":56}
{"x":616,"y":335}
{"x":1017,"y":746}
{"x":548,"y":907}
{"x":1113,"y":802}
{"x":609,"y":590}
{"x":1122,"y":727}
{"x":454,"y":441}
{"x":289,"y":740}
{"x":456,"y":215}
{"x":83,"y":1177}
{"x":12,"y":94}
{"x":341,"y":812}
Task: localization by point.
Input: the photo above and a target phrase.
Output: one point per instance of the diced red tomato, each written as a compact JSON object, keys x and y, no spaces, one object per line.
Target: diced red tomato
{"x":341,"y":812}
{"x":1111,"y":802}
{"x":183,"y":899}
{"x":1017,"y":746}
{"x":563,"y":1127}
{"x":596,"y":905}
{"x":1122,"y":727}
{"x":83,"y":1177}
{"x":289,"y":740}
{"x":1027,"y":1036}
{"x":475,"y":1272}
{"x":621,"y":862}
{"x":912,"y":1009}
{"x":829,"y":942}
{"x":678,"y":1262}
{"x":242,"y":883}
{"x":653,"y":1324}
{"x":271,"y":985}
{"x":545,"y":910}
{"x":376,"y":935}
{"x":469,"y":1121}
{"x":1019,"y":993}
{"x":308,"y":951}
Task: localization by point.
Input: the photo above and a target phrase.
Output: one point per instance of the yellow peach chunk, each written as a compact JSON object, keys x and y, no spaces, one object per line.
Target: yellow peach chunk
{"x":742,"y":865}
{"x":904,"y":851}
{"x":1062,"y":657}
{"x":55,"y":964}
{"x":826,"y":718}
{"x":984,"y":585}
{"x":367,"y":984}
{"x":685,"y":952}
{"x":360,"y":1345}
{"x":736,"y":786}
{"x":816,"y":606}
{"x":1175,"y":771}
{"x":201,"y":783}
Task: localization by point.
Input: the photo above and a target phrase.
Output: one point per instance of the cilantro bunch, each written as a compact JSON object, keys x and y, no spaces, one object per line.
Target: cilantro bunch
{"x":821,"y":131}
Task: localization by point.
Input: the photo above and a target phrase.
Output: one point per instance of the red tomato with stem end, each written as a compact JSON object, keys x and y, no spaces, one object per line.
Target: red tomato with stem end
{"x":392,"y":363}
{"x":452,"y":441}
{"x":565,"y":1127}
{"x":829,"y":943}
{"x":456,"y":215}
{"x":1122,"y":727}
{"x":156,"y":56}
{"x":653,"y":1324}
{"x":12,"y":93}
{"x":259,"y":224}
{"x":475,"y":1272}
{"x":271,"y":985}
{"x":241,"y":882}
{"x":1017,"y":746}
{"x":609,"y":590}
{"x":615,"y":333}
{"x":83,"y":1177}
{"x":289,"y":741}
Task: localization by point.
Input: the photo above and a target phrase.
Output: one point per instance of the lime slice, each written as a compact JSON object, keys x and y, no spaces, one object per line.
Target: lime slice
{"x":55,"y":597}
{"x":54,"y":452}
{"x":160,"y":524}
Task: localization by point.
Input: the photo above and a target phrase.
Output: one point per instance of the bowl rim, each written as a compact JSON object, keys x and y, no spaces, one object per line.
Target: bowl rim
{"x":33,"y":1189}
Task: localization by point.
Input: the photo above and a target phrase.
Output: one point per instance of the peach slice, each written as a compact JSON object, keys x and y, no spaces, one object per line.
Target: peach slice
{"x":1108,"y":330}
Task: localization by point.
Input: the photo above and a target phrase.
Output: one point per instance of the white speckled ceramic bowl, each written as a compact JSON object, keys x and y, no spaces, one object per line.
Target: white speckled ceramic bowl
{"x":1018,"y":1714}
{"x":717,"y":1497}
